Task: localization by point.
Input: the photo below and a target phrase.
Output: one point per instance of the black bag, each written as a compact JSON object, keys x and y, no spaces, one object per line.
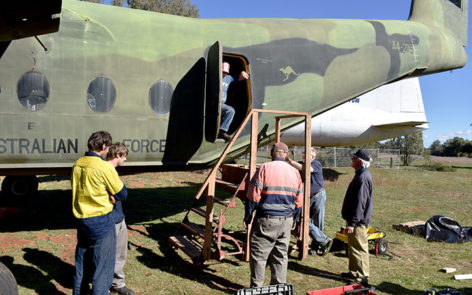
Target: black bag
{"x":445,"y":229}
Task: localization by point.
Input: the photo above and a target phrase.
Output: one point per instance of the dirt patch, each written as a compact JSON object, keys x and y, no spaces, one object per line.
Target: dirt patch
{"x":12,"y":240}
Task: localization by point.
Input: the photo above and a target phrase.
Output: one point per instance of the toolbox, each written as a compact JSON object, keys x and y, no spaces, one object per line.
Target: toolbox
{"x":345,"y":290}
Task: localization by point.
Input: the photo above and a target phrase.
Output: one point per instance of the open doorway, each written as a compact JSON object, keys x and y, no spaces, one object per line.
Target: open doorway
{"x":239,"y":92}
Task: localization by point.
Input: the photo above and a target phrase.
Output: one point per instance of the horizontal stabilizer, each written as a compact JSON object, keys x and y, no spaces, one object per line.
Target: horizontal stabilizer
{"x":401,"y":124}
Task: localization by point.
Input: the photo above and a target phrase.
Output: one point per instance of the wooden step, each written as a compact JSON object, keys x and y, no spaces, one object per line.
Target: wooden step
{"x":194,"y":228}
{"x":226,"y":185}
{"x":202,"y":213}
{"x":188,"y":248}
{"x":221,"y":202}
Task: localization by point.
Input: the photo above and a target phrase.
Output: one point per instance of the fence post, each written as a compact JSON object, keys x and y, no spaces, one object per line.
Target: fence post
{"x":334,"y":153}
{"x":378,"y":158}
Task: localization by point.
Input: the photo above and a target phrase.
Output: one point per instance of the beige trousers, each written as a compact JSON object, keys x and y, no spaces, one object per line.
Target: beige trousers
{"x":358,"y":249}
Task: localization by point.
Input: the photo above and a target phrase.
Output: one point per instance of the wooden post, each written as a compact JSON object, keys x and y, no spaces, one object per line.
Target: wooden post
{"x":252,"y":171}
{"x":306,"y":203}
{"x":277,"y":129}
{"x":209,"y":218}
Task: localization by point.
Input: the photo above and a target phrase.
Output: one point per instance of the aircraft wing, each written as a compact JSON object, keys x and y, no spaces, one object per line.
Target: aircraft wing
{"x":26,"y":18}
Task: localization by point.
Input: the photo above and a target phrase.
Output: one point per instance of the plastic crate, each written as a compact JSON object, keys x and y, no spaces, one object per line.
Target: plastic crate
{"x":345,"y":290}
{"x":281,"y":289}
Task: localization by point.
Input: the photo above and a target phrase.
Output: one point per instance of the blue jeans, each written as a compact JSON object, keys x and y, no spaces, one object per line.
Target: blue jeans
{"x":227,"y":115}
{"x":95,"y":260}
{"x":317,"y":212}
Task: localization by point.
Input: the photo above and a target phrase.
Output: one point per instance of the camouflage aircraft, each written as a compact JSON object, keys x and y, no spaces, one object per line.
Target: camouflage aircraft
{"x":154,"y":80}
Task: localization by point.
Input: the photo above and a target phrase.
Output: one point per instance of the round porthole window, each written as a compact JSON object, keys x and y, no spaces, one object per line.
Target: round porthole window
{"x":33,"y":90}
{"x":101,"y":94}
{"x":160,"y":96}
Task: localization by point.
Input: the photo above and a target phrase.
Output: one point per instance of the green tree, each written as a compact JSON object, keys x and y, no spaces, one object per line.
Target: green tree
{"x":175,"y":7}
{"x":411,"y":144}
{"x":436,"y":148}
{"x":467,"y":148}
{"x":117,"y":2}
{"x":453,"y":147}
{"x":391,"y":144}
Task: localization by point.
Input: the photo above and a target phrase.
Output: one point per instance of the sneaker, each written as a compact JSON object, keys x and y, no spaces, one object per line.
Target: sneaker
{"x":324,"y":249}
{"x":223,"y":135}
{"x":122,"y":291}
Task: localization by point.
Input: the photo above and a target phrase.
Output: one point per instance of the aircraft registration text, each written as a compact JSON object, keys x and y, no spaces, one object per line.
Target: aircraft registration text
{"x":38,"y":146}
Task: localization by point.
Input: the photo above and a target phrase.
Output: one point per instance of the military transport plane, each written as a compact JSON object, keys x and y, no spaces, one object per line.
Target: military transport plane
{"x":154,"y":80}
{"x":389,"y":111}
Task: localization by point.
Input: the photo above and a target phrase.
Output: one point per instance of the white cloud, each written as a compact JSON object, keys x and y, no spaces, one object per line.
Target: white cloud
{"x":466,"y":134}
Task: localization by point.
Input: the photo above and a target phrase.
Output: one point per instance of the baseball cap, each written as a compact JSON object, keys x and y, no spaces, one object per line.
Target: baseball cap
{"x":280,"y":146}
{"x":225,"y":66}
{"x":362,"y":154}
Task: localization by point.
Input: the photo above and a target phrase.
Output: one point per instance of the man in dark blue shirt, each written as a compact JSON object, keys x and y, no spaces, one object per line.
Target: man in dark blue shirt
{"x":321,"y":242}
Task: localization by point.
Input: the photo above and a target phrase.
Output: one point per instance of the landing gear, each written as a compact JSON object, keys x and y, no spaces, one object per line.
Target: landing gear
{"x":15,"y":188}
{"x":8,"y":283}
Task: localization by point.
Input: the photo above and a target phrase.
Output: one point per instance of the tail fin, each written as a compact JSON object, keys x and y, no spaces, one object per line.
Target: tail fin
{"x":449,"y":14}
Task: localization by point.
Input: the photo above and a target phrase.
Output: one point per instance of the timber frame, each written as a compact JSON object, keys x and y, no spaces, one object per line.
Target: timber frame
{"x":211,"y":233}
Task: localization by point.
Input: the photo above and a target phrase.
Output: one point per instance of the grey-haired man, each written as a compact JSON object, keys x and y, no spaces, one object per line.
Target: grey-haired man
{"x":357,"y":211}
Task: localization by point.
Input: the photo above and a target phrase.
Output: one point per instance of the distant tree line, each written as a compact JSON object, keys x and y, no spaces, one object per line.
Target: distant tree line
{"x":408,"y":145}
{"x":456,"y":147}
{"x":175,"y":7}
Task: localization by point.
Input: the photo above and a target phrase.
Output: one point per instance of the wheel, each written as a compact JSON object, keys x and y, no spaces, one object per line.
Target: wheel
{"x":383,"y":245}
{"x":19,"y":187}
{"x":8,"y":283}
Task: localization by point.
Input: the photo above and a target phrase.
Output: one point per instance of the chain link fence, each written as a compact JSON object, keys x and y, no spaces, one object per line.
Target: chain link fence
{"x":332,"y":157}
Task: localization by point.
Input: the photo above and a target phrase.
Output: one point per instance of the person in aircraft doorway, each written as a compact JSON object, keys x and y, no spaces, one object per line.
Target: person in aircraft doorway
{"x":227,"y":112}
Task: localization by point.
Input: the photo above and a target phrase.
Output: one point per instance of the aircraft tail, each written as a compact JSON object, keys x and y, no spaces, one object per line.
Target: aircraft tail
{"x":449,"y":14}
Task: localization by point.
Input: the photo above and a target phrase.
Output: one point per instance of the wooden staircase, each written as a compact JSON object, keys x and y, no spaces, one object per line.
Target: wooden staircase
{"x":190,"y":237}
{"x":202,"y":241}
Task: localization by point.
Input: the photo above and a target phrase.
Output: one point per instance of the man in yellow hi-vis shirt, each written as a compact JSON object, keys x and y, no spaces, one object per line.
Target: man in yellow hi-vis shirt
{"x":93,"y":181}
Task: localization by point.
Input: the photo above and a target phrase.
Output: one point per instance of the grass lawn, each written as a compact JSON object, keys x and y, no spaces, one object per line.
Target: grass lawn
{"x":38,"y":243}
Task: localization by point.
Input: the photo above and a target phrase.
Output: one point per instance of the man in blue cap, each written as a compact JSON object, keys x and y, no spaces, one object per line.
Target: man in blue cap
{"x":357,"y":211}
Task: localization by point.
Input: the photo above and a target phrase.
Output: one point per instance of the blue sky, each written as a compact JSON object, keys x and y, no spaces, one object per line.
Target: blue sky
{"x":446,"y":95}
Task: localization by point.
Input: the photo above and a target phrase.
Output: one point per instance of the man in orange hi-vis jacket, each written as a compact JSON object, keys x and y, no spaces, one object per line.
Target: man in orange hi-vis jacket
{"x":276,"y":193}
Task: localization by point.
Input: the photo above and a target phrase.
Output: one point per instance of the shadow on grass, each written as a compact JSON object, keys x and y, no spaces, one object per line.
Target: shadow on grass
{"x":53,"y":209}
{"x":31,"y":277}
{"x":390,"y":288}
{"x":308,"y":270}
{"x":53,"y":266}
{"x":461,"y":167}
{"x":174,"y":264}
{"x":331,"y":174}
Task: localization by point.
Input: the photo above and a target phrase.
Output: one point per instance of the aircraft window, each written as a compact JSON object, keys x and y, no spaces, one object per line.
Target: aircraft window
{"x":160,"y":96}
{"x":457,"y":3}
{"x":33,"y":90}
{"x":101,"y":94}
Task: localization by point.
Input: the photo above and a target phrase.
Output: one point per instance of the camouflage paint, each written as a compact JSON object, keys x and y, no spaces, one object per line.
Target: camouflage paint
{"x":302,"y":65}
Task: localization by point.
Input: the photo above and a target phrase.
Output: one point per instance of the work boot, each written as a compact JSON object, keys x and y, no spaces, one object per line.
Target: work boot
{"x":223,"y":135}
{"x":122,"y":291}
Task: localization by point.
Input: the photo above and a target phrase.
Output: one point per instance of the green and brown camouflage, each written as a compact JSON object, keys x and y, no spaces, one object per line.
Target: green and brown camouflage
{"x":154,"y":80}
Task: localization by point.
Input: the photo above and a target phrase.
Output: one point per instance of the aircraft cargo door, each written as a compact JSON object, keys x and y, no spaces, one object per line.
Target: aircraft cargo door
{"x":213,"y":92}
